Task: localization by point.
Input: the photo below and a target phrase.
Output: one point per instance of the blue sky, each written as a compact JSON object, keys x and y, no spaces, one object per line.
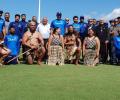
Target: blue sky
{"x":69,"y":8}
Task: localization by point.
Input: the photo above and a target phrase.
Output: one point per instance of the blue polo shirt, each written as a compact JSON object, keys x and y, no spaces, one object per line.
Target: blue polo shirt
{"x":2,"y":24}
{"x":24,"y":25}
{"x":12,"y":43}
{"x":76,"y":27}
{"x":59,"y":23}
{"x":117,"y":42}
{"x":83,"y":29}
{"x":18,"y":28}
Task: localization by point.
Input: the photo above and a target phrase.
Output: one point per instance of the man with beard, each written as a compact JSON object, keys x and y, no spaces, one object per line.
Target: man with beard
{"x":12,"y":43}
{"x":33,"y":42}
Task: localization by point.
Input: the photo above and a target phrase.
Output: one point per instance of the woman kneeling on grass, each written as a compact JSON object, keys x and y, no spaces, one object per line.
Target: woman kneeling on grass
{"x":72,"y":46}
{"x":91,"y":47}
{"x":55,"y":48}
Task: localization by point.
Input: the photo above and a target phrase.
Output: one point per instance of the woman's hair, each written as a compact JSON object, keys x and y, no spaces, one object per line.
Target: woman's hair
{"x":55,"y":29}
{"x":93,"y":29}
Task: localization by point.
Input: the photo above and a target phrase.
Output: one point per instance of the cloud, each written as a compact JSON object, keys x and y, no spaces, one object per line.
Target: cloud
{"x":87,"y":17}
{"x":90,"y":15}
{"x":114,"y":14}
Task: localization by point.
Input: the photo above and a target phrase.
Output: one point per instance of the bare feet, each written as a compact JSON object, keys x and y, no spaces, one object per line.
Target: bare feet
{"x":39,"y":62}
{"x":76,"y":62}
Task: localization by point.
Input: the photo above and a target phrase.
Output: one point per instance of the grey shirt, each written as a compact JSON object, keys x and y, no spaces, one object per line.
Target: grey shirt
{"x":7,"y":25}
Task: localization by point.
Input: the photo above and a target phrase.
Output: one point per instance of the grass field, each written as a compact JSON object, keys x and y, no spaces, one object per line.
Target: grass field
{"x":69,"y":82}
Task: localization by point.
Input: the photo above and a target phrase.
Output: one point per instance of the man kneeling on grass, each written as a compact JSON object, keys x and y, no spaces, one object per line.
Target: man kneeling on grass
{"x":12,"y":42}
{"x":34,"y":43}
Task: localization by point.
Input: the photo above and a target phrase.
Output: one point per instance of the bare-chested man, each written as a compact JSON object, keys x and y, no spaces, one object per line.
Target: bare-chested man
{"x":4,"y":52}
{"x":33,"y":40}
{"x":72,"y":45}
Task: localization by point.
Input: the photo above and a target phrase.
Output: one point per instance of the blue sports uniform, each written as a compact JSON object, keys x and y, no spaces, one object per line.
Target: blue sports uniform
{"x":2,"y":25}
{"x":12,"y":43}
{"x":59,"y":23}
{"x":117,"y":46}
{"x":83,"y":29}
{"x":76,"y":27}
{"x":18,"y":28}
{"x":24,"y":25}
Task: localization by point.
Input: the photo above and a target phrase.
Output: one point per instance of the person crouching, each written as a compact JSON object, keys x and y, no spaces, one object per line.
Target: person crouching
{"x":34,"y":44}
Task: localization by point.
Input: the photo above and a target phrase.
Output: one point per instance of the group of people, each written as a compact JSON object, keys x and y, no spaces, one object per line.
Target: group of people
{"x":60,"y":42}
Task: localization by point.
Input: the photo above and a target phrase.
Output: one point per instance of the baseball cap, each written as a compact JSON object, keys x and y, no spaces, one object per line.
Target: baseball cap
{"x":1,"y":12}
{"x":81,"y":17}
{"x":58,"y":14}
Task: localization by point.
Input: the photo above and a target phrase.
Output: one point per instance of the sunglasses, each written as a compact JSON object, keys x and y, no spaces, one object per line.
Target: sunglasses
{"x":67,"y":20}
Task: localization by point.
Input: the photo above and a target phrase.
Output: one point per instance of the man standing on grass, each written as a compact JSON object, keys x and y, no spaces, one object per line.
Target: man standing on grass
{"x":117,"y":46}
{"x":44,"y":29}
{"x":59,"y":23}
{"x":103,"y":34}
{"x":112,"y":33}
{"x":33,"y":41}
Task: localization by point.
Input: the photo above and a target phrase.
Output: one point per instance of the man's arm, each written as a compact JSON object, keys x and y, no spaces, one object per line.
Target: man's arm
{"x":41,"y":39}
{"x":25,"y":39}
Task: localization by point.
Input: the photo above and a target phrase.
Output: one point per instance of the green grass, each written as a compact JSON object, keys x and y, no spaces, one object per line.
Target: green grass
{"x":69,"y":82}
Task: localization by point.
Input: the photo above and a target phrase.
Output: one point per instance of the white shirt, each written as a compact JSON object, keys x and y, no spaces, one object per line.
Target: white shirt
{"x":44,"y":30}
